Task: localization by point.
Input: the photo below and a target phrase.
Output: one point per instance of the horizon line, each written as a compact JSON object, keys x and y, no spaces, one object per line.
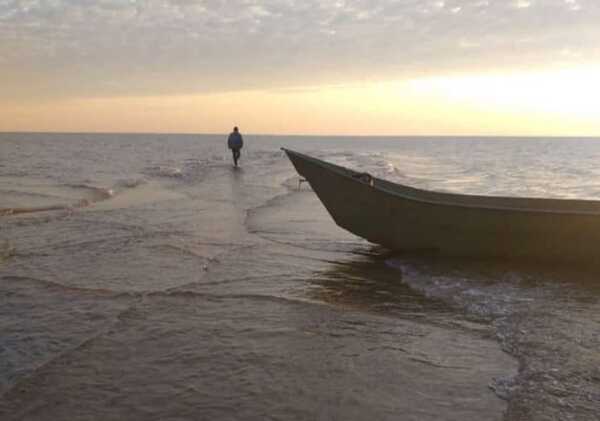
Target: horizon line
{"x":224,"y":133}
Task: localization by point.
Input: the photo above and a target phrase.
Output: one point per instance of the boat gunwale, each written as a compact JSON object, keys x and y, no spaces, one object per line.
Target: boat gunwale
{"x":336,"y":169}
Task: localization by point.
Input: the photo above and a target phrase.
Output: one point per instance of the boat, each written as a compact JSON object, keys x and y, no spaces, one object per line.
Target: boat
{"x":407,"y":219}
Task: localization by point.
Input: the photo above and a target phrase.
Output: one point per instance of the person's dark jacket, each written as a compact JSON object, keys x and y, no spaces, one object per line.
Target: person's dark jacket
{"x":235,"y":141}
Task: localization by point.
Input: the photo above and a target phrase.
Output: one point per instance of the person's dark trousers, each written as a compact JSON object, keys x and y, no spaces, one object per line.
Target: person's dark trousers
{"x":236,"y":156}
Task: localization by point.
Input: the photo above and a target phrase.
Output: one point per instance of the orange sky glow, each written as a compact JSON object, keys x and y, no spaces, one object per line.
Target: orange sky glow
{"x":341,"y":68}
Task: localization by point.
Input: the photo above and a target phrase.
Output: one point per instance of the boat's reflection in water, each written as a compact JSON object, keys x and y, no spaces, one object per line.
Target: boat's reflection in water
{"x":368,"y":283}
{"x":545,"y":315}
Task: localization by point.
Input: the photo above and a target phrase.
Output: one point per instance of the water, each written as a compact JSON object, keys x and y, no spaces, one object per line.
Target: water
{"x":142,"y":277}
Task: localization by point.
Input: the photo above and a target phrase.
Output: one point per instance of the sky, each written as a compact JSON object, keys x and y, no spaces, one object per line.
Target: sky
{"x":355,"y":67}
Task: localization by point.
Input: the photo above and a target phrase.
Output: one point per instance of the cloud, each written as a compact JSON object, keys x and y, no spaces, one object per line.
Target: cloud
{"x":122,"y":47}
{"x":522,"y":4}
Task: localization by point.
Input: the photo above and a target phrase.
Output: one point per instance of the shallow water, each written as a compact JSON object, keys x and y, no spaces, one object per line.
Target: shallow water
{"x":143,"y":277}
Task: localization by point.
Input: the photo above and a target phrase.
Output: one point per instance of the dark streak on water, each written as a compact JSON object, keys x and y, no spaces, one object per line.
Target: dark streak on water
{"x":165,"y":285}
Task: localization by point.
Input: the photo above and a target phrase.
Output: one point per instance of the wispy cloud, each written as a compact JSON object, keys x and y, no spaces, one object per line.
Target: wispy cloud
{"x":120,"y":47}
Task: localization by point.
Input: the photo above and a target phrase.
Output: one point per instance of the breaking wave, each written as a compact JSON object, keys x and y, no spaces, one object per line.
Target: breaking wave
{"x":163,"y":171}
{"x":74,"y":196}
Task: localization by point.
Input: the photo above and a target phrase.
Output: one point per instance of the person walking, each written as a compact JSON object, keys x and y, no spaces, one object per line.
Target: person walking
{"x":235,"y":142}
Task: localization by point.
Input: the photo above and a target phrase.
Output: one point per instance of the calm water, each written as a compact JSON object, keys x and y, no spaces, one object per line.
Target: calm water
{"x":142,"y":278}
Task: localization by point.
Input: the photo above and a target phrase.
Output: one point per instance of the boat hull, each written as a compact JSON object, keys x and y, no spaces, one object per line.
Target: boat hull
{"x":414,"y":220}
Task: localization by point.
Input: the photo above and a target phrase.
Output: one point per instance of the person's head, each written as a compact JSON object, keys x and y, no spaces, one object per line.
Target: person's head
{"x":235,"y":129}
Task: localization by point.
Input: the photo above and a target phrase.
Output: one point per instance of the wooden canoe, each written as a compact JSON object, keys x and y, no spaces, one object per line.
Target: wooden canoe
{"x":404,"y":218}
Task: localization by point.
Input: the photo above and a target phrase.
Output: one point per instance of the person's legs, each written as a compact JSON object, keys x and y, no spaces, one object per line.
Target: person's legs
{"x":236,"y":156}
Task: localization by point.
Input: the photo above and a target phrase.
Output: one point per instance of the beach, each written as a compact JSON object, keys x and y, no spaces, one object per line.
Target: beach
{"x":143,"y":277}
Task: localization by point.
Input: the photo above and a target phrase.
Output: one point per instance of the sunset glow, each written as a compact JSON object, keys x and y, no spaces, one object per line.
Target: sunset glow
{"x":348,"y":67}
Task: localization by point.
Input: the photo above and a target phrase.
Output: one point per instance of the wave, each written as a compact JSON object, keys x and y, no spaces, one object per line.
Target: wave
{"x":95,"y":194}
{"x":80,"y":195}
{"x":91,"y":195}
{"x":163,"y":171}
{"x":130,"y":183}
{"x":189,"y":294}
{"x":376,"y":164}
{"x":27,"y":194}
{"x":53,"y":285}
{"x":19,"y":211}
